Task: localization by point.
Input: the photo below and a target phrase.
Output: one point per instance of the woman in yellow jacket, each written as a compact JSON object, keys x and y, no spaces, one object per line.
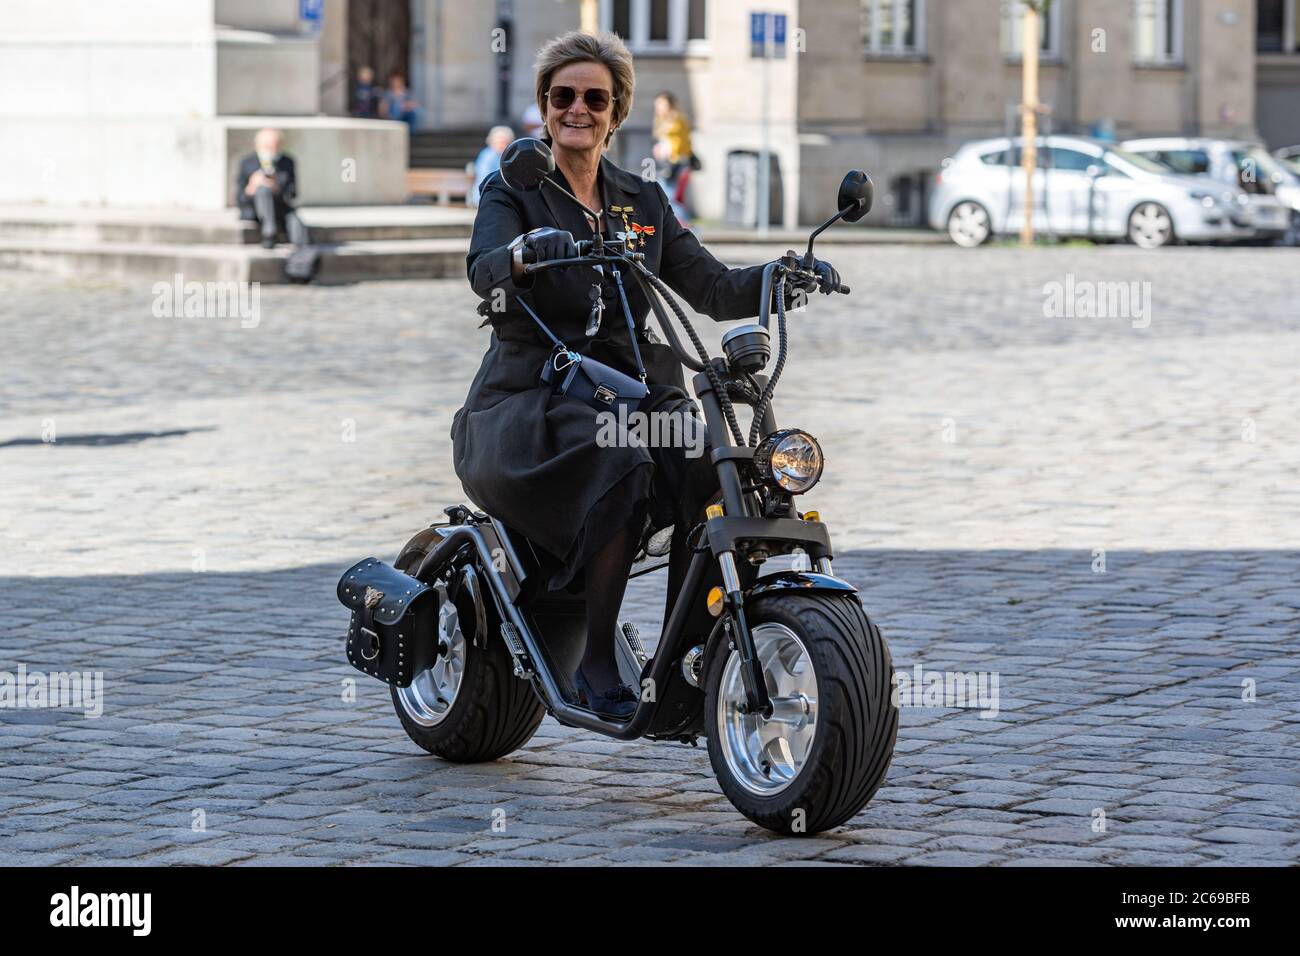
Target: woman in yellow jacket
{"x":672,"y":149}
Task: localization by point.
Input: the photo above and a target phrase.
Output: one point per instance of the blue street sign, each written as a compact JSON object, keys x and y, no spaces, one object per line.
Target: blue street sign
{"x":309,"y":12}
{"x":767,"y":35}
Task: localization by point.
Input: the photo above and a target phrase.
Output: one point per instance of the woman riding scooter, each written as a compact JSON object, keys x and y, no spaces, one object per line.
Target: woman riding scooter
{"x":532,"y":457}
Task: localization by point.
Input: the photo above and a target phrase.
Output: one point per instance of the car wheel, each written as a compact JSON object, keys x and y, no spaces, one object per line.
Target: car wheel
{"x":1150,"y":226}
{"x":969,"y":225}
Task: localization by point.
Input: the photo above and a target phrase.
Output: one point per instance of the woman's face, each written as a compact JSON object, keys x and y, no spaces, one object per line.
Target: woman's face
{"x":577,"y":128}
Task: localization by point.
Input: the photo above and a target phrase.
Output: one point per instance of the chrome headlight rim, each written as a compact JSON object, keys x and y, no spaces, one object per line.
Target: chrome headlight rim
{"x":770,"y":448}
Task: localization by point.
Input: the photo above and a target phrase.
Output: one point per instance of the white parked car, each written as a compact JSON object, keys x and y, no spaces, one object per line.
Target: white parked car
{"x":1272,"y":190}
{"x":1082,"y":188}
{"x":1289,"y":157}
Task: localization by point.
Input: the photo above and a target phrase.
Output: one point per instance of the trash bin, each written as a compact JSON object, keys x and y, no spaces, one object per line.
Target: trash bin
{"x":742,"y":188}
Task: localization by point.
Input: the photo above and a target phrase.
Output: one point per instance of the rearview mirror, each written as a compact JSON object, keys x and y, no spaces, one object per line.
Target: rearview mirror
{"x":525,"y":163}
{"x":856,"y":195}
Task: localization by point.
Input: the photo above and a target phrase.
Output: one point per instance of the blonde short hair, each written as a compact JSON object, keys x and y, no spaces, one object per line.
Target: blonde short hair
{"x":577,"y":47}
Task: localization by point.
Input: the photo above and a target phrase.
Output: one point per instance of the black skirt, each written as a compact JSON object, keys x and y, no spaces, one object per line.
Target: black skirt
{"x":538,"y":462}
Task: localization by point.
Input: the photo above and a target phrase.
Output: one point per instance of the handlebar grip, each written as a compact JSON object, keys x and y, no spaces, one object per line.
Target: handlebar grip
{"x":529,"y":256}
{"x":842,"y":289}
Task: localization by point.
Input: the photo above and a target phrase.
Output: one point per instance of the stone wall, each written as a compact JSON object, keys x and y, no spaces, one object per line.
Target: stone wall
{"x":153,"y":100}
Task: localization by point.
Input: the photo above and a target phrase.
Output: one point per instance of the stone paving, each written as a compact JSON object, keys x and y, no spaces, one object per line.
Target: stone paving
{"x":1105,"y":517}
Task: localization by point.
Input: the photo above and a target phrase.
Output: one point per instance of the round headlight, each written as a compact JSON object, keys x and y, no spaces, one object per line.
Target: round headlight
{"x":789,"y":459}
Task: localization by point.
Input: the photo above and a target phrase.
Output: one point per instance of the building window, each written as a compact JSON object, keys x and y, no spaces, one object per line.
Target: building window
{"x":1013,"y":30}
{"x":1158,"y":31}
{"x":893,"y":27}
{"x":1275,"y":30}
{"x":658,"y":26}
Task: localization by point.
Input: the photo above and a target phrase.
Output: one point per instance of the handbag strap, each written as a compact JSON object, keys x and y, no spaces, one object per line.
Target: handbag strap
{"x":540,"y":324}
{"x":627,"y":314}
{"x":631,"y":326}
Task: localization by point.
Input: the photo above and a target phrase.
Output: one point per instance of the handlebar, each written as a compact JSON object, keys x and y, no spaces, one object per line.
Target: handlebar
{"x":585,"y":256}
{"x":812,"y":279}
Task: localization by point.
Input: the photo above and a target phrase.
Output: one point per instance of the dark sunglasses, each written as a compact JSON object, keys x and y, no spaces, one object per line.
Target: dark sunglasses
{"x":562,"y":98}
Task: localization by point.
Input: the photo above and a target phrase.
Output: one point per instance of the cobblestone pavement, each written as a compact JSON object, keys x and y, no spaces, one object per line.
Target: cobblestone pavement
{"x":1105,"y":517}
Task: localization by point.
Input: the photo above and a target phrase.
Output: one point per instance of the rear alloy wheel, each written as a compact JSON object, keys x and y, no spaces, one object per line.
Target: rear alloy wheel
{"x":1150,"y":226}
{"x":969,"y":225}
{"x":468,"y":706}
{"x":433,"y":691}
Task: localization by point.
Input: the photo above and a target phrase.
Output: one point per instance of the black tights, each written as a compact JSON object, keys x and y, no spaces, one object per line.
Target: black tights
{"x":691,"y":483}
{"x":606,"y":580}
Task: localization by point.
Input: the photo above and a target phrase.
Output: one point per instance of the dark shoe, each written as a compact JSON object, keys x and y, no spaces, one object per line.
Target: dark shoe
{"x":618,"y":702}
{"x":268,"y":242}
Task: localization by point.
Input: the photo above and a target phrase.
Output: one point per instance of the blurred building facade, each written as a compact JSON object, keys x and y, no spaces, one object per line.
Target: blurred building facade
{"x":892,"y":86}
{"x":1277,"y":71}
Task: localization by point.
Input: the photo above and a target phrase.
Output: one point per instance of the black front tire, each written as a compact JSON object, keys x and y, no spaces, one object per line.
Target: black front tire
{"x":857,"y":722}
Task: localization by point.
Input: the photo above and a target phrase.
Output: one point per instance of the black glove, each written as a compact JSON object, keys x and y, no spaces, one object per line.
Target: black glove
{"x":828,"y":280}
{"x":548,"y":243}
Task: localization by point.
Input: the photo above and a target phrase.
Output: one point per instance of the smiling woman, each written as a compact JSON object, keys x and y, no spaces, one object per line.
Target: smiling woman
{"x":531,"y":457}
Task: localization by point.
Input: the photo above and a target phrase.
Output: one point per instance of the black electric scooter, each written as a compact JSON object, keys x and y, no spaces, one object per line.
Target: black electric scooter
{"x":792,"y":685}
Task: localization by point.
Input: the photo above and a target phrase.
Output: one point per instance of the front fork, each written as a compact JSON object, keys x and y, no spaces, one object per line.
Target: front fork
{"x":757,"y":700}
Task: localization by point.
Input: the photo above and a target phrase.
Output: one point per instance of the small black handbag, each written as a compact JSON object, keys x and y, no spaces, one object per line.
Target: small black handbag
{"x":578,"y":376}
{"x":392,"y":635}
{"x":601,"y":387}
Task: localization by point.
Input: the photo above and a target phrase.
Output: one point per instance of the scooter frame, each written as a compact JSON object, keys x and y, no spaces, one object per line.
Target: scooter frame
{"x":734,"y":533}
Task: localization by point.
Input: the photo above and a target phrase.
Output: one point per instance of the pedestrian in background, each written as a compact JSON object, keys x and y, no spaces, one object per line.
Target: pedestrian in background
{"x":366,"y":97}
{"x":399,"y":104}
{"x":532,"y":121}
{"x":489,"y":159}
{"x":672,"y":150}
{"x":266,"y":186}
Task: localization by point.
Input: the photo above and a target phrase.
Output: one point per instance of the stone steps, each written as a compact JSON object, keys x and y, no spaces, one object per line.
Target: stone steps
{"x":446,"y":149}
{"x":326,"y":224}
{"x":357,"y":243}
{"x":228,"y":262}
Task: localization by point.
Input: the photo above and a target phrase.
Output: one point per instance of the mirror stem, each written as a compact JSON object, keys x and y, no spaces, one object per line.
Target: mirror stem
{"x":808,"y":256}
{"x":594,"y":217}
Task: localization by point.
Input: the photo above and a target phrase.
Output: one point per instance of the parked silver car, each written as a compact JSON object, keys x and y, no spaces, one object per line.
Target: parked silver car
{"x":1082,"y":188}
{"x":1289,"y":157}
{"x":1272,"y":191}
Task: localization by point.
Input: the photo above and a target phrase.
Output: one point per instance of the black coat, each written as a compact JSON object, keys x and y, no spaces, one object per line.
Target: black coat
{"x":530,"y":457}
{"x":285,"y":175}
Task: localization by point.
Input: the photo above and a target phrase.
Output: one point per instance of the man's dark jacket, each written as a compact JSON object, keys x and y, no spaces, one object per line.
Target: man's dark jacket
{"x":284,"y":174}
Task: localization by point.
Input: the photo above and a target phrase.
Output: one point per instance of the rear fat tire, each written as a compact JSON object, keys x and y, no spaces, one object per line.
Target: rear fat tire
{"x":857,"y":722}
{"x":494,"y":712}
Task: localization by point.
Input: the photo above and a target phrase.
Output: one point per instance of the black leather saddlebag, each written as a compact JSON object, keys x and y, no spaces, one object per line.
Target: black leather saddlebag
{"x":393,"y":633}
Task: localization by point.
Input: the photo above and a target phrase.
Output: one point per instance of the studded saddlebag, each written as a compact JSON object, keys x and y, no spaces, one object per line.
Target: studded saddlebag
{"x":393,"y":632}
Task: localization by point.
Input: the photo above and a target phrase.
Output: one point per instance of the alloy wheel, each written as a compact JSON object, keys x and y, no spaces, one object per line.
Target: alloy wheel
{"x":765,"y":754}
{"x":1150,"y":226}
{"x":433,"y":691}
{"x":968,"y":224}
